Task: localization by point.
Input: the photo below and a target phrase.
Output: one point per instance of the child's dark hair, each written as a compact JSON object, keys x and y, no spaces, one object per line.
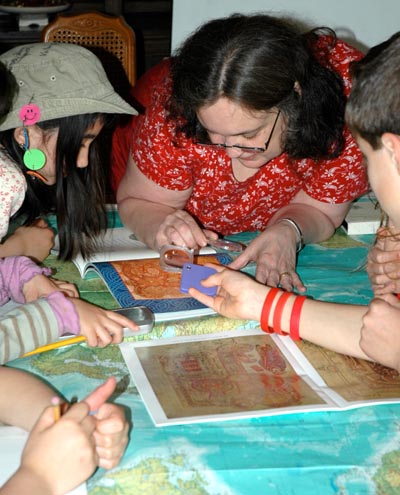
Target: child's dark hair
{"x":373,"y":107}
{"x":8,"y":88}
{"x":78,"y":197}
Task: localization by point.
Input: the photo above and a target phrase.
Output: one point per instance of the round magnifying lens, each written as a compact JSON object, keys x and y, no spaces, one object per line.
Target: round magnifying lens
{"x":172,"y":258}
{"x":176,"y":257}
{"x":226,"y":245}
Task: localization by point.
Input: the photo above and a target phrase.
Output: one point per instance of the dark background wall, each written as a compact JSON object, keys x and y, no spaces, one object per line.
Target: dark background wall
{"x":150,"y":19}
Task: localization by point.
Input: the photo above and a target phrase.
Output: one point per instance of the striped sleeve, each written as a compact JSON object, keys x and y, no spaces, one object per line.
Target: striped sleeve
{"x":25,"y":328}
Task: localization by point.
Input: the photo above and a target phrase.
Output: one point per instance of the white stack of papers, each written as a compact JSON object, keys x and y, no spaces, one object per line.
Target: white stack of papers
{"x":364,"y":216}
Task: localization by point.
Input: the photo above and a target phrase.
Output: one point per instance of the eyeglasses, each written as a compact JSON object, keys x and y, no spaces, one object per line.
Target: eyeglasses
{"x":245,"y":149}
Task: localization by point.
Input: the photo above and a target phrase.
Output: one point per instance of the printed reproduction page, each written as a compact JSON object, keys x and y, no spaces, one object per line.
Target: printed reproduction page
{"x":220,"y":376}
{"x":12,"y":441}
{"x":250,"y":373}
{"x":355,"y":380}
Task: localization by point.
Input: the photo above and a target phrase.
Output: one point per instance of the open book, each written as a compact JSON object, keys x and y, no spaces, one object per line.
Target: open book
{"x":133,"y":275}
{"x":143,"y":282}
{"x":118,"y":244}
{"x":238,"y":374}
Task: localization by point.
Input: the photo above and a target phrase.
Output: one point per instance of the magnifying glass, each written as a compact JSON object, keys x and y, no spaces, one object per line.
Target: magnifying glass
{"x":172,"y":258}
{"x":226,"y":245}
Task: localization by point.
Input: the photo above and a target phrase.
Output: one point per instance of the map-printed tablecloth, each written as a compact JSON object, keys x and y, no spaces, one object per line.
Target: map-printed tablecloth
{"x":353,"y":452}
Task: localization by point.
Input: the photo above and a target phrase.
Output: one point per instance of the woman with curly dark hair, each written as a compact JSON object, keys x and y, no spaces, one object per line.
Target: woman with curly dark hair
{"x":243,"y":130}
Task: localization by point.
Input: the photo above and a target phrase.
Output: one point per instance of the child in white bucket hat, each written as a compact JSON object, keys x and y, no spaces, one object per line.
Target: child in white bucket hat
{"x":49,"y":157}
{"x":49,"y":309}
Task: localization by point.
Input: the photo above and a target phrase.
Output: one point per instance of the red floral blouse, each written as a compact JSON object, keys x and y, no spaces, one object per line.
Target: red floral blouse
{"x":218,"y":200}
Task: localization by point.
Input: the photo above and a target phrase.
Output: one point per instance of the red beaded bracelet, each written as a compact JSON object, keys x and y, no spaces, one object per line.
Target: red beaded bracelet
{"x":295,"y":317}
{"x":267,"y":309}
{"x":276,"y":321}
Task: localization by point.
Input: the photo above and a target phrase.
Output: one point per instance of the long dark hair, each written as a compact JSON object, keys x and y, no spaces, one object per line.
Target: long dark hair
{"x":78,"y":197}
{"x":8,"y":87}
{"x":258,"y":61}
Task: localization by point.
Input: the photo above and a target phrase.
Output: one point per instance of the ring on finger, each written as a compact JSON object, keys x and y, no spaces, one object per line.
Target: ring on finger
{"x":284,"y":274}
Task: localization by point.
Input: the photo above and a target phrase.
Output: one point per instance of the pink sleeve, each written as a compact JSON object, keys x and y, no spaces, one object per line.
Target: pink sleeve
{"x":15,"y":271}
{"x":66,"y":314}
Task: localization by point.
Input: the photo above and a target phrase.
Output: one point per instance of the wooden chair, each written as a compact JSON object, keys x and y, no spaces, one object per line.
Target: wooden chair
{"x":109,"y":37}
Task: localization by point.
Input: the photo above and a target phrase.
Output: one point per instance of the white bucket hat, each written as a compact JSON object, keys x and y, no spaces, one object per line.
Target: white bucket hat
{"x":62,"y":79}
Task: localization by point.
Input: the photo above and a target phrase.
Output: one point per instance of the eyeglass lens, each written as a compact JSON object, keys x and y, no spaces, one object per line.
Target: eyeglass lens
{"x":247,"y":149}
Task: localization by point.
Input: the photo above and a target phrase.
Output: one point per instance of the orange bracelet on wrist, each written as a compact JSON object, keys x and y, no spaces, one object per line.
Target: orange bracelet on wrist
{"x":266,"y":309}
{"x":276,"y":320}
{"x":295,"y":317}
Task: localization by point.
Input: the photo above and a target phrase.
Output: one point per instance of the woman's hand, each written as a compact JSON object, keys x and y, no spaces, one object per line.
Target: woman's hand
{"x":383,"y":265}
{"x":238,"y":296}
{"x":274,"y":252}
{"x":181,"y":229}
{"x":99,"y":326}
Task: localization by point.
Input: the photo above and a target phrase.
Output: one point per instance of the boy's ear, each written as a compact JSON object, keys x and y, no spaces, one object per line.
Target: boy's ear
{"x":391,"y":142}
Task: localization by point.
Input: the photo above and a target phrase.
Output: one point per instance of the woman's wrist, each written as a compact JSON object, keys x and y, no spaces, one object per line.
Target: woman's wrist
{"x":299,"y":234}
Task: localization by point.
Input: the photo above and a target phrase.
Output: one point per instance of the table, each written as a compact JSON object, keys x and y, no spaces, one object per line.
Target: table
{"x":349,"y":452}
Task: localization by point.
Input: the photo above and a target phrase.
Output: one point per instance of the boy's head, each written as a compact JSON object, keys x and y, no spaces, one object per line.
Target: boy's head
{"x":373,"y":116}
{"x":373,"y":107}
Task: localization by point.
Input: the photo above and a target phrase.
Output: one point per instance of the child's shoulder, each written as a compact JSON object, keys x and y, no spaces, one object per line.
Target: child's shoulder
{"x":8,"y":165}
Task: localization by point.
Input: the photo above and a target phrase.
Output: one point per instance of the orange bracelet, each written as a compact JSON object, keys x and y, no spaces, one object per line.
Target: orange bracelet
{"x":276,"y":321}
{"x":267,"y":309}
{"x":295,"y":317}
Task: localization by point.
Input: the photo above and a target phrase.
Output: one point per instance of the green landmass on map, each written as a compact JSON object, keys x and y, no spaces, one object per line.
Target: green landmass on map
{"x":169,"y":476}
{"x":387,"y":477}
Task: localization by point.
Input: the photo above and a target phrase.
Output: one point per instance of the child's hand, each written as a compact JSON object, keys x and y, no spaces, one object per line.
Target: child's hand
{"x":383,"y":266}
{"x":57,"y":456}
{"x":238,"y":296}
{"x":111,"y":434}
{"x":99,"y":326}
{"x":380,"y":331}
{"x":34,"y":241}
{"x":41,"y":286}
